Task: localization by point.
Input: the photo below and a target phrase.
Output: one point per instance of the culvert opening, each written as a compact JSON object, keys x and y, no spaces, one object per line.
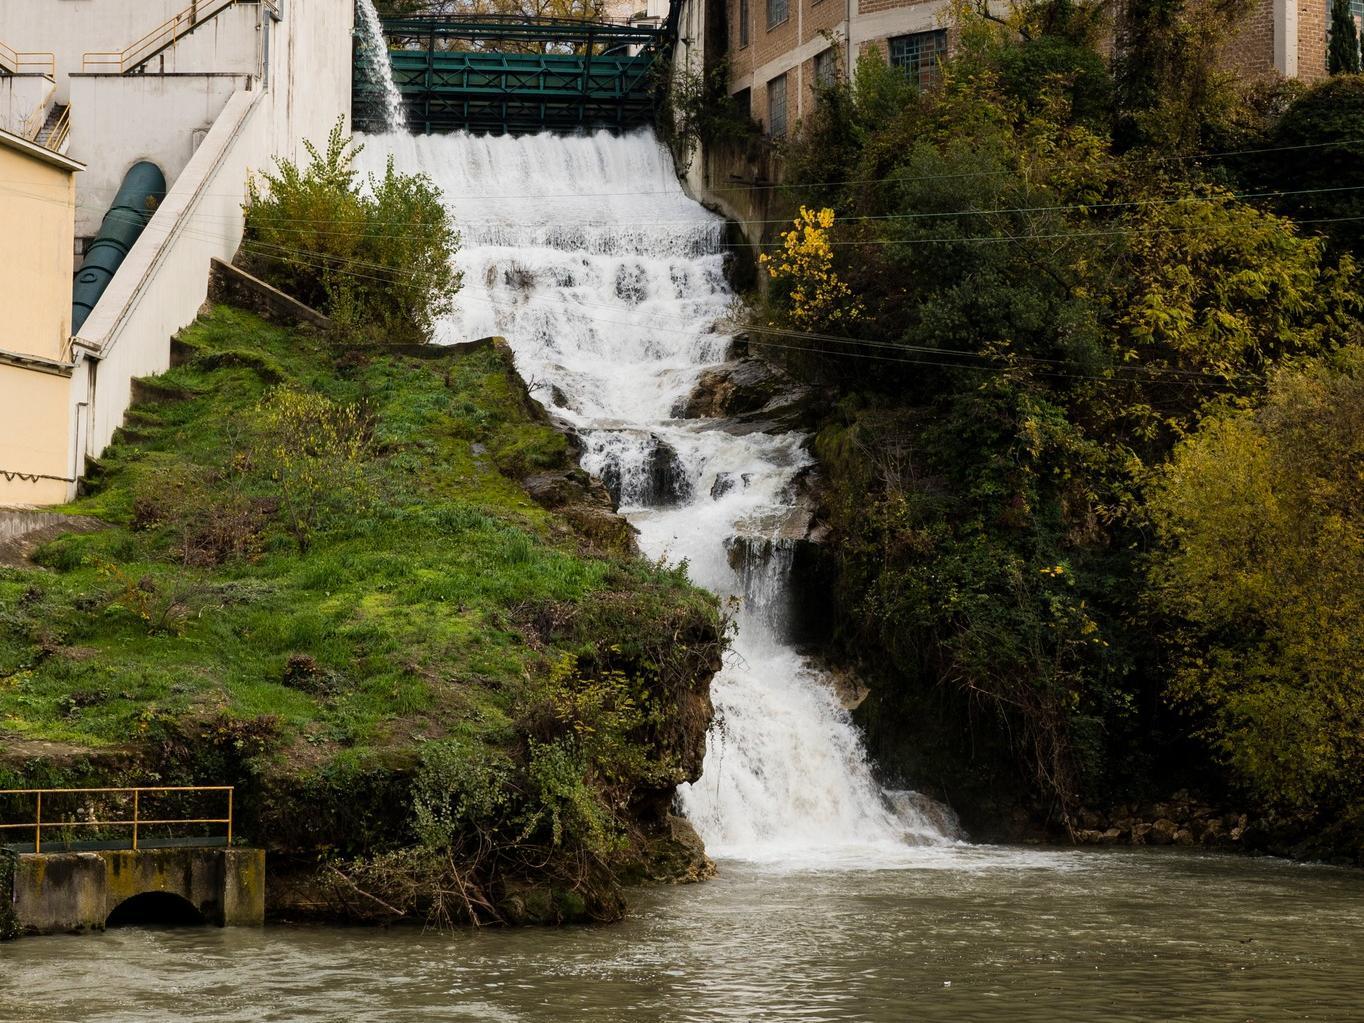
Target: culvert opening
{"x":155,"y":909}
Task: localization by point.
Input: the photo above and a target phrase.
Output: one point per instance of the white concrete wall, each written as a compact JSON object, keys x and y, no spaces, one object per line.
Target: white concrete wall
{"x":174,"y":114}
{"x":163,"y":282}
{"x":24,"y":101}
{"x":71,"y":28}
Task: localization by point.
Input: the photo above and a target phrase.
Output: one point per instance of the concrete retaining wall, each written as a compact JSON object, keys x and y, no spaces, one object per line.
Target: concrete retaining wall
{"x":77,"y":891}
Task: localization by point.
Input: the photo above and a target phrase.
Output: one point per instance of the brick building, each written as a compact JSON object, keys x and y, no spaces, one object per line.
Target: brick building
{"x":779,"y":49}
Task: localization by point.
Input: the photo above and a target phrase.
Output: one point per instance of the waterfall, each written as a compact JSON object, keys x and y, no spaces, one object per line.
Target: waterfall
{"x":609,"y":283}
{"x":374,"y":51}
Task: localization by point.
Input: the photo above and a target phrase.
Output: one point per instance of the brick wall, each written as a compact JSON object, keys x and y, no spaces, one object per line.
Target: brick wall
{"x":872,"y":6}
{"x":1313,"y":17}
{"x":1250,"y":49}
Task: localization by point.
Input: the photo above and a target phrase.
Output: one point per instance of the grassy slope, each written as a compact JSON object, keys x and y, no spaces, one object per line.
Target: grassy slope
{"x":426,"y":615}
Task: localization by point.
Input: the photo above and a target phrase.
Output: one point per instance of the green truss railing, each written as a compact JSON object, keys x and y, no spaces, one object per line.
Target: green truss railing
{"x":518,"y":75}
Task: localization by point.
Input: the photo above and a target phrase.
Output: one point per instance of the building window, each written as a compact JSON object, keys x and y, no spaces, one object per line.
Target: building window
{"x":776,"y":107}
{"x":917,"y":54}
{"x":743,"y":102}
{"x":743,"y":23}
{"x":777,"y":12}
{"x":826,"y":67}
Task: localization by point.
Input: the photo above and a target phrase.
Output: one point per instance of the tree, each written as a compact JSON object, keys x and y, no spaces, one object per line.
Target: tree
{"x":1262,"y":563}
{"x":1342,"y":52}
{"x":1316,"y":157}
{"x":1172,"y":87}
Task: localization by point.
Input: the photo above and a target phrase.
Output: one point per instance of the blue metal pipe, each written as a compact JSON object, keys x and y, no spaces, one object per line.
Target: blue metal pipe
{"x":143,"y":188}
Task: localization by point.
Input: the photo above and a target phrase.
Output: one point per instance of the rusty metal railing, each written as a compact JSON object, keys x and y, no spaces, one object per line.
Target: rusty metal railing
{"x":60,"y":131}
{"x":19,"y":62}
{"x":165,"y":35}
{"x":137,"y":822}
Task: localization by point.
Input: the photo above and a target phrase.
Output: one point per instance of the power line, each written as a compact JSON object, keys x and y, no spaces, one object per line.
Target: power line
{"x":678,"y":191}
{"x":266,"y":249}
{"x":1181,"y":376}
{"x":462,"y":224}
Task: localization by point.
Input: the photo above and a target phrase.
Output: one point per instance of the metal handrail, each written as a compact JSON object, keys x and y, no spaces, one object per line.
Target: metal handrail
{"x":15,"y":61}
{"x":60,"y":131}
{"x":137,"y":821}
{"x":166,"y":34}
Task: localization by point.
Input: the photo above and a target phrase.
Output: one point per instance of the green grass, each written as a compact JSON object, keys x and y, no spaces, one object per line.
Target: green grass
{"x":415,"y":610}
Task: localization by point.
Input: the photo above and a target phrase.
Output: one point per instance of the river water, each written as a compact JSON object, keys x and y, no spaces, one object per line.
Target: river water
{"x":968,"y":934}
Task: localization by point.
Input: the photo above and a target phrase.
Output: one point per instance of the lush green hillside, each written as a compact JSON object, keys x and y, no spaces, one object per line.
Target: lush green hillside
{"x":324,"y":580}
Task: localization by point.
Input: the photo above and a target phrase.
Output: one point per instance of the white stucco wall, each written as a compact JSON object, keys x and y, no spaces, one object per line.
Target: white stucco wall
{"x":163,"y":282}
{"x":173,"y":114}
{"x":71,"y":28}
{"x":164,"y":279}
{"x":23,"y":101}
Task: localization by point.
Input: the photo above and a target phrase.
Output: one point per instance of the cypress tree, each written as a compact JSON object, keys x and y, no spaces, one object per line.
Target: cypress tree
{"x":1342,"y":53}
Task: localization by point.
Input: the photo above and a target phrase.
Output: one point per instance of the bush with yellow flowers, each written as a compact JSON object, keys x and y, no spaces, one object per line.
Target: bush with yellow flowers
{"x":817,"y":297}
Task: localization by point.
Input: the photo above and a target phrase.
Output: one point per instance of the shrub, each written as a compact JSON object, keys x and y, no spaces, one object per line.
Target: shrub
{"x":376,"y":256}
{"x":1262,"y":563}
{"x":804,"y":267}
{"x":314,"y":451}
{"x":209,"y":515}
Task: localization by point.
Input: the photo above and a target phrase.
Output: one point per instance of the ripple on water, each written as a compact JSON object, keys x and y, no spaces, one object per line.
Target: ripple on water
{"x":1033,"y":936}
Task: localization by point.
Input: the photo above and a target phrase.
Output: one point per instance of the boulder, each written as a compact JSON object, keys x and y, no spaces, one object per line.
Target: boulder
{"x":1162,"y":832}
{"x":661,"y":481}
{"x":730,"y":389}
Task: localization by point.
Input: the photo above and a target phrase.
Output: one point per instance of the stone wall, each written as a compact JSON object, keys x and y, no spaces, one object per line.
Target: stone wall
{"x":233,"y":286}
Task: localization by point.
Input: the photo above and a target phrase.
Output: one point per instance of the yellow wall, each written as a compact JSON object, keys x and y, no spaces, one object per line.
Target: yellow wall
{"x":37,"y":235}
{"x":33,"y":434}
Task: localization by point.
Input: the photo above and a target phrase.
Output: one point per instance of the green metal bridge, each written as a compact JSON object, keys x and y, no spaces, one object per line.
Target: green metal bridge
{"x":516,"y":75}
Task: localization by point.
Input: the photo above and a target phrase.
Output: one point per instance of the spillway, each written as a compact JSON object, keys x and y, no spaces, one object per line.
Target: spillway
{"x":609,"y":283}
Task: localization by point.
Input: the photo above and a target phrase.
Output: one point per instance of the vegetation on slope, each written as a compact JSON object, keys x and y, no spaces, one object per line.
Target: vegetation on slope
{"x":1057,"y":280}
{"x":323,"y":581}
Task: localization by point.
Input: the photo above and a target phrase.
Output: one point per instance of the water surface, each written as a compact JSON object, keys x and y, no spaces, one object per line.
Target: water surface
{"x":965,"y":934}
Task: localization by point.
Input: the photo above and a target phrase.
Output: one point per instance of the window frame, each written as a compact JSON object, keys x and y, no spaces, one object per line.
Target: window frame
{"x":831,"y":54}
{"x":745,"y":16}
{"x":784,"y":6}
{"x":920,"y":69}
{"x":785,"y":89}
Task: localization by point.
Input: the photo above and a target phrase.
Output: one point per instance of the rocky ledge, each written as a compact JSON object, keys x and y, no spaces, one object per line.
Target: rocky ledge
{"x":749,"y":394}
{"x":1180,"y":820}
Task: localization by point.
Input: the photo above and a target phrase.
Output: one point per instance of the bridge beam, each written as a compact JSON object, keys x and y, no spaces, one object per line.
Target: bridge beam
{"x":77,"y":891}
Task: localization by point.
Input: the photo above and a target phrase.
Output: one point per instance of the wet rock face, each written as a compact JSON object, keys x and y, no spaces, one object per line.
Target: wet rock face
{"x":632,"y":284}
{"x":732,"y":388}
{"x":676,"y":854}
{"x":660,"y":480}
{"x":726,"y":482}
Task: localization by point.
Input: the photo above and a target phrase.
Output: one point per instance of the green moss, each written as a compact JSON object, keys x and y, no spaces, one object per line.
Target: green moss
{"x":411,"y":616}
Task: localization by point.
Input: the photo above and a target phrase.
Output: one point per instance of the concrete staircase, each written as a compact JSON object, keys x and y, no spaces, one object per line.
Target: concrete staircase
{"x":56,"y":128}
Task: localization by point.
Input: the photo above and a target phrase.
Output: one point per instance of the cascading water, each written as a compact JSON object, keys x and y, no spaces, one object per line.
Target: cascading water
{"x":608,"y":282}
{"x":374,"y":51}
